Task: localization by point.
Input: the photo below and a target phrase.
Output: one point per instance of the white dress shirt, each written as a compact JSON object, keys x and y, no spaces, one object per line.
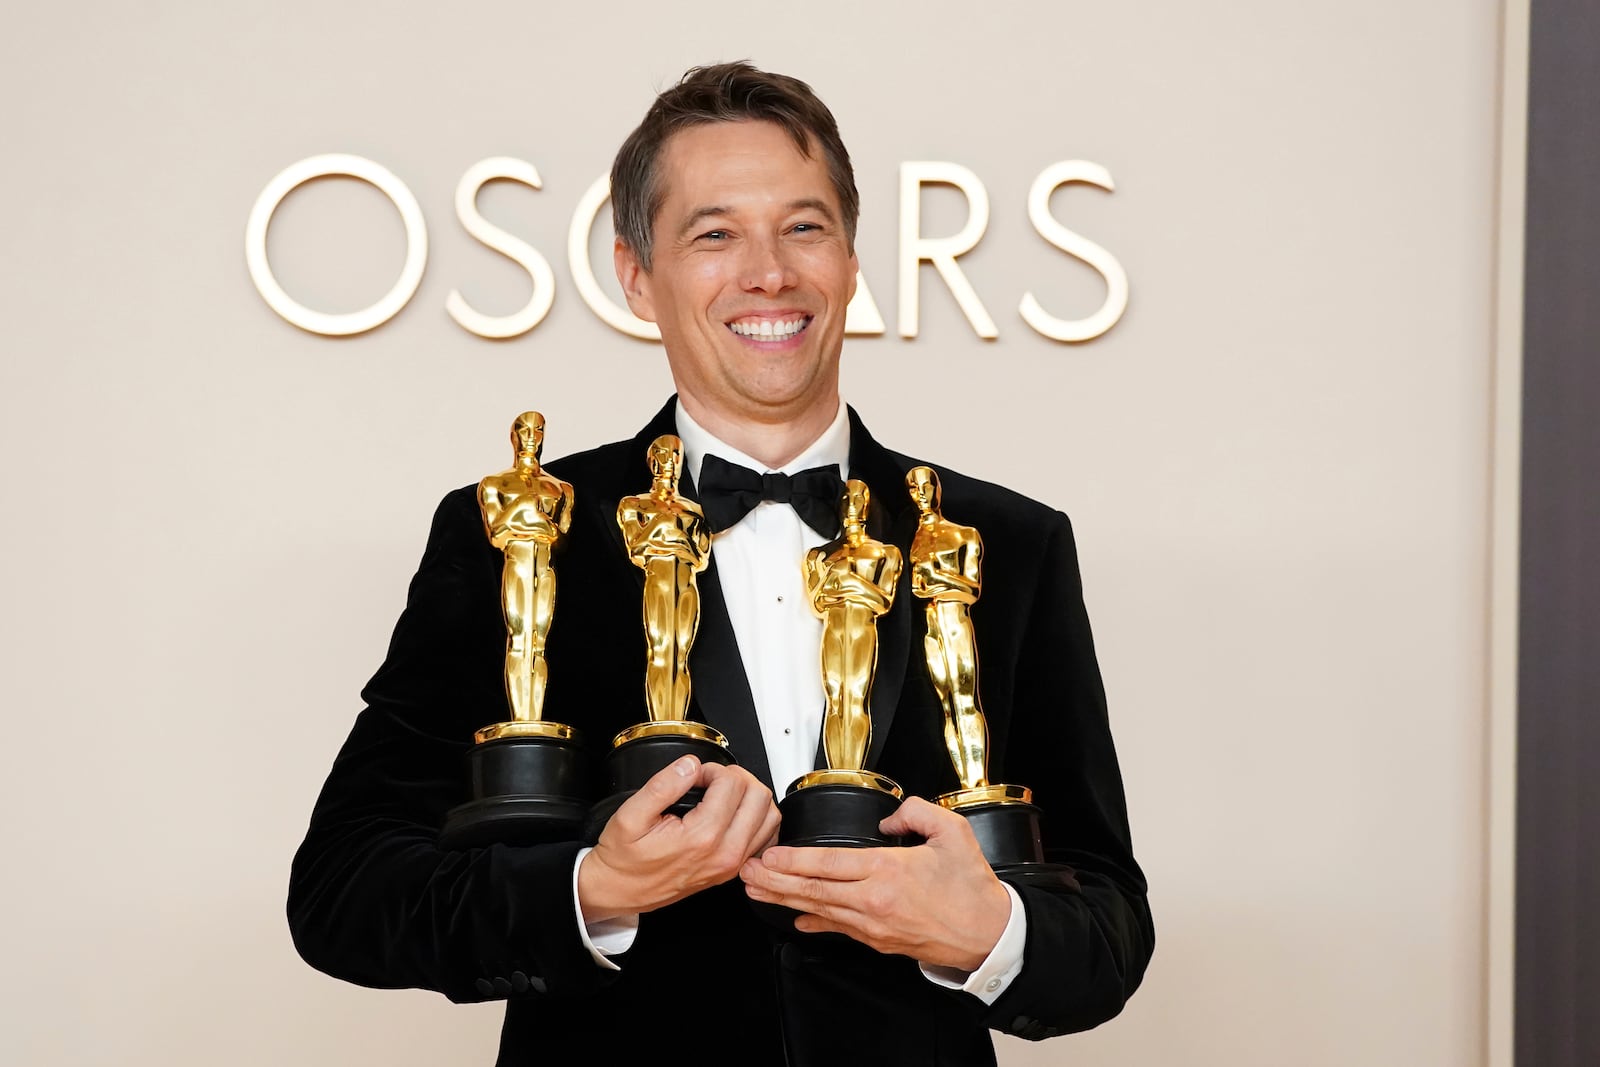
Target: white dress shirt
{"x":780,"y":642}
{"x":759,"y":568}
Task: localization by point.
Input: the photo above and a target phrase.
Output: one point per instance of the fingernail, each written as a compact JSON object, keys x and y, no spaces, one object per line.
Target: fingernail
{"x":685,"y":766}
{"x":773,"y":858}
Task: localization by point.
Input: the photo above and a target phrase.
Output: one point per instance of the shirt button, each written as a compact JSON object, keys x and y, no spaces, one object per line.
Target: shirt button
{"x":991,"y":985}
{"x":780,"y":600}
{"x":787,"y":731}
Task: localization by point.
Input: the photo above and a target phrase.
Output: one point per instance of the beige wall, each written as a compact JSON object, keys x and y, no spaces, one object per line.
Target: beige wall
{"x":1277,"y":463}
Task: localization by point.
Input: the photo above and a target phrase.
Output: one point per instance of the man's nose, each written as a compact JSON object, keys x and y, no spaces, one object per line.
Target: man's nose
{"x":767,"y":268}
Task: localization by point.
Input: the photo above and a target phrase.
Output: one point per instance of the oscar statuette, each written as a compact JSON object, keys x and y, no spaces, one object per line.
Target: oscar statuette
{"x":667,"y":538}
{"x":528,"y":775}
{"x":946,"y":573}
{"x":850,"y":582}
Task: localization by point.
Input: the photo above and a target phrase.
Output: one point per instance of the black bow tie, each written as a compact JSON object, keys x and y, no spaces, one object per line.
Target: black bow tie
{"x":728,"y":492}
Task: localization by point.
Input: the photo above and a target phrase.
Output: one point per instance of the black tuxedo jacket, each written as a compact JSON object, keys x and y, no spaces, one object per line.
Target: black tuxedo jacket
{"x":374,"y":900}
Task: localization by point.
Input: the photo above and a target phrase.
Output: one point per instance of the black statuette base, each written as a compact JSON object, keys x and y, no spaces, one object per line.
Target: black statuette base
{"x":633,"y":763}
{"x":841,"y":816}
{"x":1009,"y":836}
{"x":526,"y":791}
{"x":830,"y":816}
{"x":1007,"y":833}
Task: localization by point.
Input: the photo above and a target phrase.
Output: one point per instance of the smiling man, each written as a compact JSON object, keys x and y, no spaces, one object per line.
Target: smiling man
{"x":735,"y":210}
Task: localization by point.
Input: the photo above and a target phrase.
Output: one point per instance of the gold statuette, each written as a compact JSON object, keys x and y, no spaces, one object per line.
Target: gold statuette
{"x":529,"y":779}
{"x":666,"y":537}
{"x":946,"y":572}
{"x":526,"y":512}
{"x":850,"y":583}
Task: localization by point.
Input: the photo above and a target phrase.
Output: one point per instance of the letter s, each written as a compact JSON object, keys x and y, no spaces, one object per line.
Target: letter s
{"x":499,"y":327}
{"x":1077,"y":246}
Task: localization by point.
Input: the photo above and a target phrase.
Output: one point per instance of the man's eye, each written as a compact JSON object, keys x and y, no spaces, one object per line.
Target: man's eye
{"x":807,"y":227}
{"x":714,"y":235}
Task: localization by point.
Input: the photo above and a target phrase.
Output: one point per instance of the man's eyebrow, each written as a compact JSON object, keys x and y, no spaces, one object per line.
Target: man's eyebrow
{"x":808,"y":203}
{"x":811,"y":203}
{"x":710,"y":211}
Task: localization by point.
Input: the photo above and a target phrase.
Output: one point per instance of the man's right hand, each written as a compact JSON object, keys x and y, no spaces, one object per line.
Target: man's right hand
{"x":646,"y":860}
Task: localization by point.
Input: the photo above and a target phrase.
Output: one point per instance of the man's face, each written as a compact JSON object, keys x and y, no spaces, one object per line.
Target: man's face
{"x":752,"y":272}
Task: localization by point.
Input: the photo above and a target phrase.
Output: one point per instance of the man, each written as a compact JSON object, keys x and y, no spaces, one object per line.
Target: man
{"x":735,"y":208}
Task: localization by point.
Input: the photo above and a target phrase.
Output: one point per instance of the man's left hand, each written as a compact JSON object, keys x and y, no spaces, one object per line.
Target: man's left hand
{"x":937,"y":902}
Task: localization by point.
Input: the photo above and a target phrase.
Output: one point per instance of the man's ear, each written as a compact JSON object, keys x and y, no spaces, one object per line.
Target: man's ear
{"x":635,"y":281}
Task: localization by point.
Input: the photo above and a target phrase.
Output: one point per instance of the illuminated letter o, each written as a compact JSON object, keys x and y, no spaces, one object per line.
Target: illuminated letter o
{"x":618,"y":318}
{"x":297,"y":174}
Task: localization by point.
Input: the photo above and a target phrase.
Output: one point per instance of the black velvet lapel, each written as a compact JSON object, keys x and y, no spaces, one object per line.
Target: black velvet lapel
{"x":892,"y":518}
{"x":719,"y":684}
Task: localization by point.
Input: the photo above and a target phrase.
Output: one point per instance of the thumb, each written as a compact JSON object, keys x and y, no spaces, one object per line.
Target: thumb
{"x":918,"y":816}
{"x":666,"y":787}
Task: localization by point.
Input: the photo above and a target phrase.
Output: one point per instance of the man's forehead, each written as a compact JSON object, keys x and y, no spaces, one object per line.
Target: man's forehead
{"x":711,"y":167}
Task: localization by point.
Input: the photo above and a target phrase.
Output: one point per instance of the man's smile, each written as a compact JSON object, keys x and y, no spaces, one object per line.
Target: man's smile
{"x":771,"y":329}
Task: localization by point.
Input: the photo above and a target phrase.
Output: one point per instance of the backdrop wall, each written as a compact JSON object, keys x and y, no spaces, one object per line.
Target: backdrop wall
{"x":1277,"y":464}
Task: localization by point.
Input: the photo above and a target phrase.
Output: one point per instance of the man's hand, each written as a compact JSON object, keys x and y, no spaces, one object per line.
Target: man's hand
{"x":645,"y":860}
{"x":938,"y":903}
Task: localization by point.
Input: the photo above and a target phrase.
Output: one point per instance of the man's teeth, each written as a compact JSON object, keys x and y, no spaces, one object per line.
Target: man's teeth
{"x":767,"y":330}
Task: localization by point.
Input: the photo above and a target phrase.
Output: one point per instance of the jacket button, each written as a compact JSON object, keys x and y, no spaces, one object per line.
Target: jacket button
{"x":519,"y":982}
{"x":536,"y":983}
{"x":502,"y":986}
{"x":482,"y":986}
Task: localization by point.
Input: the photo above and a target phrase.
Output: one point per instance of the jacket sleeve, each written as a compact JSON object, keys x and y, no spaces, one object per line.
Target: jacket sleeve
{"x":373,"y":899}
{"x":1086,"y":949}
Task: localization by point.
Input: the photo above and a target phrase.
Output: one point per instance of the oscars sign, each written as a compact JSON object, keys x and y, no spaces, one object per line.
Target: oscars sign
{"x":863,"y":318}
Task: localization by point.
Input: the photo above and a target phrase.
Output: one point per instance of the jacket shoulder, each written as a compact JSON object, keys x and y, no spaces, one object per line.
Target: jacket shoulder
{"x":611,"y":465}
{"x":973,"y":501}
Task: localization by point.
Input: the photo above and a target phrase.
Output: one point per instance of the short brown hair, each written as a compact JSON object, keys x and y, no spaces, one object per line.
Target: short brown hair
{"x":724,"y":92}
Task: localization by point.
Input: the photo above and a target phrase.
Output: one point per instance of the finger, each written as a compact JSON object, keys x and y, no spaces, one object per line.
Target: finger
{"x":769,"y":830}
{"x":837,"y":864}
{"x":710,"y":772}
{"x":918,"y":816}
{"x":815,"y":899}
{"x":749,"y":829}
{"x":725,"y":788}
{"x":640,"y":813}
{"x":819,"y":895}
{"x":816,"y":924}
{"x":807,"y":923}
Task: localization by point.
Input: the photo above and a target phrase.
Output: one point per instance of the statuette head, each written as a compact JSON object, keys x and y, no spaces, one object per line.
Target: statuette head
{"x":527,"y":433}
{"x":666,"y":456}
{"x":853,"y":507}
{"x":923,"y":484}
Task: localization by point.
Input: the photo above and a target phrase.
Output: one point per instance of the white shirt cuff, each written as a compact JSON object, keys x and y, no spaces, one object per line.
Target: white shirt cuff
{"x":1001,"y":967}
{"x":608,"y":937}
